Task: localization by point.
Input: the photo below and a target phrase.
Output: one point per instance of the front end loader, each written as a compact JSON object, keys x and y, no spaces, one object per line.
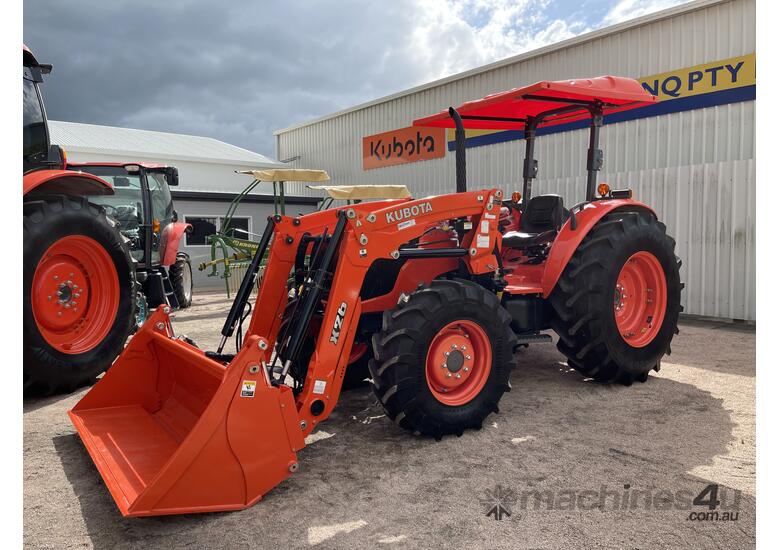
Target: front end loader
{"x":440,"y":291}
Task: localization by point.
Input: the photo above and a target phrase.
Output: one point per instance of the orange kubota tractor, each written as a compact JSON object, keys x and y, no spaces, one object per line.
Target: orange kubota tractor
{"x":443,"y":289}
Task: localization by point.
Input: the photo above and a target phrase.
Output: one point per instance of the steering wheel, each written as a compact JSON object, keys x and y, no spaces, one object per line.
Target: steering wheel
{"x":110,"y":209}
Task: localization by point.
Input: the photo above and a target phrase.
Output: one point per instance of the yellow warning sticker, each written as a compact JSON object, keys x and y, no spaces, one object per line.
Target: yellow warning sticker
{"x":248,"y":388}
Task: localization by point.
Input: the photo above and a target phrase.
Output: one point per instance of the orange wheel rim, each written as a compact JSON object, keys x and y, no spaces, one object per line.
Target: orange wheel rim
{"x":640,"y":299}
{"x":458,"y":362}
{"x":75,"y":294}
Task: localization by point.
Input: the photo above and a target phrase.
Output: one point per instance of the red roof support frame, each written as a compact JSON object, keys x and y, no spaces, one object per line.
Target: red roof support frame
{"x":545,"y":103}
{"x":509,"y":110}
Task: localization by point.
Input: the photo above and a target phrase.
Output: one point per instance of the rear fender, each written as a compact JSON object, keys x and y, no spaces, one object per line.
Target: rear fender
{"x":65,"y":182}
{"x":569,"y":239}
{"x":170,"y":240}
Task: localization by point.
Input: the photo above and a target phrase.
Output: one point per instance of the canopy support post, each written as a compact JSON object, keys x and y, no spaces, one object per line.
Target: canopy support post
{"x":530,"y":164}
{"x":460,"y":152}
{"x":281,"y":197}
{"x":595,"y":155}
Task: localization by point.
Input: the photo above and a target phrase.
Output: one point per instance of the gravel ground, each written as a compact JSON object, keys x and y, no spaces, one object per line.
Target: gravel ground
{"x":579,"y":465}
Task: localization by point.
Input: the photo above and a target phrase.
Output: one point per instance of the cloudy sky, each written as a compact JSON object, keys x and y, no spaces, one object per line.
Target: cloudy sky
{"x":239,"y":70}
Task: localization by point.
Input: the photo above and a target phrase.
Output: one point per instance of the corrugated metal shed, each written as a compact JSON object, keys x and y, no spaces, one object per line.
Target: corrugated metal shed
{"x":695,"y":167}
{"x":93,"y":138}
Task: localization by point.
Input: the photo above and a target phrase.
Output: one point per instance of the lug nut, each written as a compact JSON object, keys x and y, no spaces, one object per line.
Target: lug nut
{"x":449,"y":375}
{"x":457,"y":375}
{"x":468,"y":357}
{"x":444,"y":365}
{"x":463,"y":348}
{"x":465,"y":369}
{"x":446,"y":354}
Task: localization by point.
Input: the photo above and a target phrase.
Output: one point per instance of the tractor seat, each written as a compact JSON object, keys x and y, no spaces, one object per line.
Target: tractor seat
{"x":539,"y":223}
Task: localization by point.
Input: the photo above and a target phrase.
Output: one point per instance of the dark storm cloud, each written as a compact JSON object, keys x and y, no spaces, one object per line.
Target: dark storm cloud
{"x":234,"y":71}
{"x":241,"y":69}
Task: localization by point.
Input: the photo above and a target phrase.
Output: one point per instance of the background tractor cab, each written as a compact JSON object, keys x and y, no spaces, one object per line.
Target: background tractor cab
{"x":143,"y":208}
{"x":79,"y":298}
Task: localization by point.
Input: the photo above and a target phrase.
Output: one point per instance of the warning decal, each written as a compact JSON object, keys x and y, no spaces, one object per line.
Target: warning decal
{"x":248,"y":388}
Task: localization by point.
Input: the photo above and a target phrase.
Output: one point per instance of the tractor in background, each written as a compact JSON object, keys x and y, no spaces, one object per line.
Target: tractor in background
{"x":79,"y":278}
{"x":143,"y":207}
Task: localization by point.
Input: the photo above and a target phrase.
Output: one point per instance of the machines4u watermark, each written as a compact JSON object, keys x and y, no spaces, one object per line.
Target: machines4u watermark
{"x":712,"y":503}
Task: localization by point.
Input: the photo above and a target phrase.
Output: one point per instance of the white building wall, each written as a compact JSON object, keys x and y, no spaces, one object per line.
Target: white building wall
{"x":696,"y":168}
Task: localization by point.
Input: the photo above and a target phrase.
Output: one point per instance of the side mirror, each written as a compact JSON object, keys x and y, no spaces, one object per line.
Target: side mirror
{"x":172,"y":176}
{"x":56,"y":156}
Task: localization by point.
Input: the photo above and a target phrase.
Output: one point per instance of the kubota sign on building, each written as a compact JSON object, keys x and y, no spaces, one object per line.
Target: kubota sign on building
{"x":402,"y":146}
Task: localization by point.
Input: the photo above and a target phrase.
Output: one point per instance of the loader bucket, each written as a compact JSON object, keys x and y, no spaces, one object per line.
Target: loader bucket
{"x":172,"y":431}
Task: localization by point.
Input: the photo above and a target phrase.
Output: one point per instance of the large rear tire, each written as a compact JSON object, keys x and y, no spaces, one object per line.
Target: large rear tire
{"x":181,"y":279}
{"x":442,"y":358}
{"x":79,"y":293}
{"x":617,"y":302}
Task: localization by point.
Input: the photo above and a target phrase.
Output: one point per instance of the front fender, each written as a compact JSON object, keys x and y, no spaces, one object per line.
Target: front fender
{"x":169,"y":241}
{"x":568,"y":240}
{"x":65,"y":182}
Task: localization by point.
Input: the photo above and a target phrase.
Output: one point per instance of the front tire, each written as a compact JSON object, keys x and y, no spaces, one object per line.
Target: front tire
{"x":442,"y":358}
{"x":79,"y":293}
{"x":617,"y":302}
{"x":181,"y":279}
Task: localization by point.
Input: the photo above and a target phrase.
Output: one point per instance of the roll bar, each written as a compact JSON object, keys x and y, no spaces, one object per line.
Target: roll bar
{"x":595,"y":159}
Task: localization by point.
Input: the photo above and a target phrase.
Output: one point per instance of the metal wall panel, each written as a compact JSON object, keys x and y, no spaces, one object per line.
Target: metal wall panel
{"x":695,"y":168}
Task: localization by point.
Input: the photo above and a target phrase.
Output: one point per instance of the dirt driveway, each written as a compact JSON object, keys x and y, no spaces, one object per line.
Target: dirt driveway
{"x":577,"y":464}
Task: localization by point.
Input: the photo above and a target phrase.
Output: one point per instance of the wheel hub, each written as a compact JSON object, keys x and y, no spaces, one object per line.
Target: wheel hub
{"x":68,"y":273}
{"x":640,"y":299}
{"x":455,"y":361}
{"x":458,"y":362}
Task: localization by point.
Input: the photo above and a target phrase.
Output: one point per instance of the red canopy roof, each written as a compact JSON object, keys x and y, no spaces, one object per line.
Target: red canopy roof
{"x":615,"y":92}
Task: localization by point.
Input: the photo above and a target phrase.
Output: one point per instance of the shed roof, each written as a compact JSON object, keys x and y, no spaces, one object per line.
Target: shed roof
{"x":93,"y":138}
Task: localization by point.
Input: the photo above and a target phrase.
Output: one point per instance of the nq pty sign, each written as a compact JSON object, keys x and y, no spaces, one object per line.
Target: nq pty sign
{"x":726,"y":74}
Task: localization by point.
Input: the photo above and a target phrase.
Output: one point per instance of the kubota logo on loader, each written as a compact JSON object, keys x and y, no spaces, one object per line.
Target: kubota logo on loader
{"x":336,"y":331}
{"x":408,"y":212}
